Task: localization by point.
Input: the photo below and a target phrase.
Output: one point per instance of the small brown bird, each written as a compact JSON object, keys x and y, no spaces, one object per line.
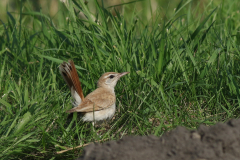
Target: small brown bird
{"x":99,"y":104}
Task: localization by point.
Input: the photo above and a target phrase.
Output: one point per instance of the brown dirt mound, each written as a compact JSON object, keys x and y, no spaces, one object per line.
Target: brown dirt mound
{"x":219,"y":142}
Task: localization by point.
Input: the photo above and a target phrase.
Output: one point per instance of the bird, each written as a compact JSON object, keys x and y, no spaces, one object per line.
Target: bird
{"x":98,"y":105}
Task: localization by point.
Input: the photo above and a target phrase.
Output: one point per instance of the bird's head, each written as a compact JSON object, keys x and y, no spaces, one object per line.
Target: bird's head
{"x":110,"y":79}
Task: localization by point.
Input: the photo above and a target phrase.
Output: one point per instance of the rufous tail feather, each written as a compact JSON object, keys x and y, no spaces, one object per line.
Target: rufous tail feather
{"x":69,"y":74}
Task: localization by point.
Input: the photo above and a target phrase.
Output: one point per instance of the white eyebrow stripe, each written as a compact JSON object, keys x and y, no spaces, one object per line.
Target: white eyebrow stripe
{"x":110,"y":75}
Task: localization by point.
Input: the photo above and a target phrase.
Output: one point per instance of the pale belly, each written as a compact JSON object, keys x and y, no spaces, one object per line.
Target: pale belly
{"x":100,"y":115}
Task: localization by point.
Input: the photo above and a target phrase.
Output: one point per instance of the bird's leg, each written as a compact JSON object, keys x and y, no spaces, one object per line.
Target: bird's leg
{"x":93,"y":126}
{"x":93,"y":122}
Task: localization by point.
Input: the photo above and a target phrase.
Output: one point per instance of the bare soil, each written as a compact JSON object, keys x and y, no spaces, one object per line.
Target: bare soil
{"x":219,"y":142}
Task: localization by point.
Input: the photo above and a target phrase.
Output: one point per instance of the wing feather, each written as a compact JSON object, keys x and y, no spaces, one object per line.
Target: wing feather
{"x":97,"y":100}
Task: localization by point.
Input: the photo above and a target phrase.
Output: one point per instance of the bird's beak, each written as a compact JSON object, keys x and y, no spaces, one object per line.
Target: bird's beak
{"x":122,"y":74}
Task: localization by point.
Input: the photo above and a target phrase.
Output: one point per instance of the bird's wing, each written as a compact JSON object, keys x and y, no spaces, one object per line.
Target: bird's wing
{"x":97,"y":100}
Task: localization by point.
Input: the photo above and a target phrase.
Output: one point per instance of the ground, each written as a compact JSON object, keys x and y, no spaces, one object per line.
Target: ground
{"x":219,"y":142}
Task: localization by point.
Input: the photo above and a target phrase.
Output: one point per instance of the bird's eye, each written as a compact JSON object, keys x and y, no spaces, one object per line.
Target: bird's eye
{"x":112,"y":76}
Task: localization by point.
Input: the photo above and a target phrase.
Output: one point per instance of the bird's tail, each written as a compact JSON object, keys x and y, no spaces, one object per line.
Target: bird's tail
{"x":69,"y":74}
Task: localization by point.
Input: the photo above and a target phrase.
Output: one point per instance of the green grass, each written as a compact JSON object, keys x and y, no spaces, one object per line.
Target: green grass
{"x":184,"y":71}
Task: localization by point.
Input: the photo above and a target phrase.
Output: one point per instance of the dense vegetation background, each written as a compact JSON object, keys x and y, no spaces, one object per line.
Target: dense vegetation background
{"x":183,"y":57}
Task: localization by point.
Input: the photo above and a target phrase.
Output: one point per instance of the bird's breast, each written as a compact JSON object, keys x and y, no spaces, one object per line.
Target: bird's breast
{"x":101,"y":114}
